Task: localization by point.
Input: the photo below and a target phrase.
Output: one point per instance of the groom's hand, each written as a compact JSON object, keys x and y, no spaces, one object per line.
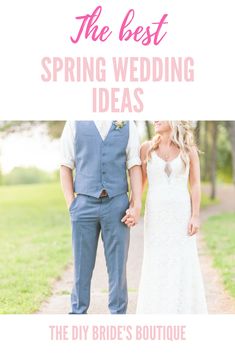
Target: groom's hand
{"x":70,"y":200}
{"x":128,"y":219}
{"x":132,"y":216}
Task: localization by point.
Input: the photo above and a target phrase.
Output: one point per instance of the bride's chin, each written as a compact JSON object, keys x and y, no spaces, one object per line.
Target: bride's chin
{"x":162,"y":131}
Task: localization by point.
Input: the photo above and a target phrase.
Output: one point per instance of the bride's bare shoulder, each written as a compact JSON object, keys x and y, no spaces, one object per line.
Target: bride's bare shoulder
{"x":146,"y":145}
{"x":144,"y":149}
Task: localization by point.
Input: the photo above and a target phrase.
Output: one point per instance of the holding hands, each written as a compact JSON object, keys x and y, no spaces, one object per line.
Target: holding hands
{"x":132,"y":216}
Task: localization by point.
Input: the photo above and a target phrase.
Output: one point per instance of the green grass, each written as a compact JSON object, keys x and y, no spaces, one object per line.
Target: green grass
{"x":220,"y":237}
{"x":35,"y":244}
{"x":205,"y":201}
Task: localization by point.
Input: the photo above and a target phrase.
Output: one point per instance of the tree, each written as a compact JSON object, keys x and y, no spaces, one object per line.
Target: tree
{"x":205,"y":149}
{"x":198,"y":132}
{"x":214,"y":134}
{"x":54,"y":128}
{"x":148,"y":130}
{"x":27,"y":175}
{"x":231,"y":130}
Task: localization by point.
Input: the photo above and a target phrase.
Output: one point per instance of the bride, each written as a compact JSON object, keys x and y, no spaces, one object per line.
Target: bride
{"x":171,"y":281}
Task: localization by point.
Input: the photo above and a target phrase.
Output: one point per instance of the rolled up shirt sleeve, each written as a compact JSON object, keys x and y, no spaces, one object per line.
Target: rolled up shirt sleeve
{"x":133,"y":146}
{"x":67,"y":153}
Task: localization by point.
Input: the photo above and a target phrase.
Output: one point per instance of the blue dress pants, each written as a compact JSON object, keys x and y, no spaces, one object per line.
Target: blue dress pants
{"x":91,"y":216}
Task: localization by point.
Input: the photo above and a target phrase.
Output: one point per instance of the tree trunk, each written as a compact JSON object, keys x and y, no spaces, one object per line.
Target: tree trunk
{"x":214,"y":130}
{"x":206,"y":151}
{"x":148,"y":130}
{"x":198,"y":132}
{"x":231,"y":131}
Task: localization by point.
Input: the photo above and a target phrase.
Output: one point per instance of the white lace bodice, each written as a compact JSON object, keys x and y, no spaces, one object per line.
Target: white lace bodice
{"x":158,"y":177}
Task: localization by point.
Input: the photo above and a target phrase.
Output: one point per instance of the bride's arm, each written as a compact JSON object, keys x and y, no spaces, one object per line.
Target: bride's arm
{"x":143,"y":156}
{"x":195,"y":189}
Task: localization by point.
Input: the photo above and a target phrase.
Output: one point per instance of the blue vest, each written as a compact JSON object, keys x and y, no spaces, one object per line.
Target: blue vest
{"x":100,"y":164}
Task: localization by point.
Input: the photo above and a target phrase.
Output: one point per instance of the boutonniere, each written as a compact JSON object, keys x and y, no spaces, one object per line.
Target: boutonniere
{"x":119,"y":124}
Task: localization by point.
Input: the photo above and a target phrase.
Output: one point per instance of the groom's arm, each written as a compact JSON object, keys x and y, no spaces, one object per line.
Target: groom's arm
{"x":133,"y":213}
{"x":135,"y":174}
{"x":67,"y":161}
{"x":142,"y":179}
{"x":66,"y":178}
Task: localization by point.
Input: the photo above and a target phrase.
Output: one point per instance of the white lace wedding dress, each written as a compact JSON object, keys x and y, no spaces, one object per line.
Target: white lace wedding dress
{"x":171,"y":280}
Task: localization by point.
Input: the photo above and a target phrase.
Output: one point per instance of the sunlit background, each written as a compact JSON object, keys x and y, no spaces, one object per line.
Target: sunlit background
{"x":24,"y":149}
{"x":30,"y":150}
{"x":32,"y":146}
{"x":35,"y":231}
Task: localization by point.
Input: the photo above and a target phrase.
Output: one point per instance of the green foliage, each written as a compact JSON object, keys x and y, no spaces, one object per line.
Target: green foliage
{"x":220,"y":237}
{"x":150,"y":132}
{"x":207,"y":201}
{"x":204,"y":135}
{"x":35,"y":245}
{"x":54,"y":128}
{"x":223,"y":153}
{"x":31,"y":175}
{"x":1,"y":176}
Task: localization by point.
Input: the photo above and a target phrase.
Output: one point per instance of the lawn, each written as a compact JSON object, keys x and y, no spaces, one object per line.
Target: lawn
{"x":35,"y":244}
{"x":220,"y":237}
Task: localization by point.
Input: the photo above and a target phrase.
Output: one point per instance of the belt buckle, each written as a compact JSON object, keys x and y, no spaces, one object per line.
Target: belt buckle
{"x":103,"y":194}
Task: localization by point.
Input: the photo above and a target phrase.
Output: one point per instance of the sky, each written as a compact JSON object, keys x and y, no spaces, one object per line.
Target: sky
{"x":29,"y":149}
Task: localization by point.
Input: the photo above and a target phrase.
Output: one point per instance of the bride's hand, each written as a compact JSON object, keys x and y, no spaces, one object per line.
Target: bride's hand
{"x":132,"y":216}
{"x":194,"y":225}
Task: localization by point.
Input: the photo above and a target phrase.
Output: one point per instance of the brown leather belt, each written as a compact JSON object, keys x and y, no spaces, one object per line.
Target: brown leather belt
{"x":103,"y":194}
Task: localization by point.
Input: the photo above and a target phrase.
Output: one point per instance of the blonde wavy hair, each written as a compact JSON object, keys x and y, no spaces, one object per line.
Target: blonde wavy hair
{"x":182,"y":137}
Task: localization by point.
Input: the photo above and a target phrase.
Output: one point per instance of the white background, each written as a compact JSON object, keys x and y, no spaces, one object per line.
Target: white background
{"x":31,"y":333}
{"x":30,"y":30}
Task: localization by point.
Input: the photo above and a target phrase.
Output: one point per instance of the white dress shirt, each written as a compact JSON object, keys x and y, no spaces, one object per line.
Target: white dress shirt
{"x":67,"y":151}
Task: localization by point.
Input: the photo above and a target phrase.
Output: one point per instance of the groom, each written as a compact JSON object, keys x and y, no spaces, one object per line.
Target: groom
{"x":101,"y":152}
